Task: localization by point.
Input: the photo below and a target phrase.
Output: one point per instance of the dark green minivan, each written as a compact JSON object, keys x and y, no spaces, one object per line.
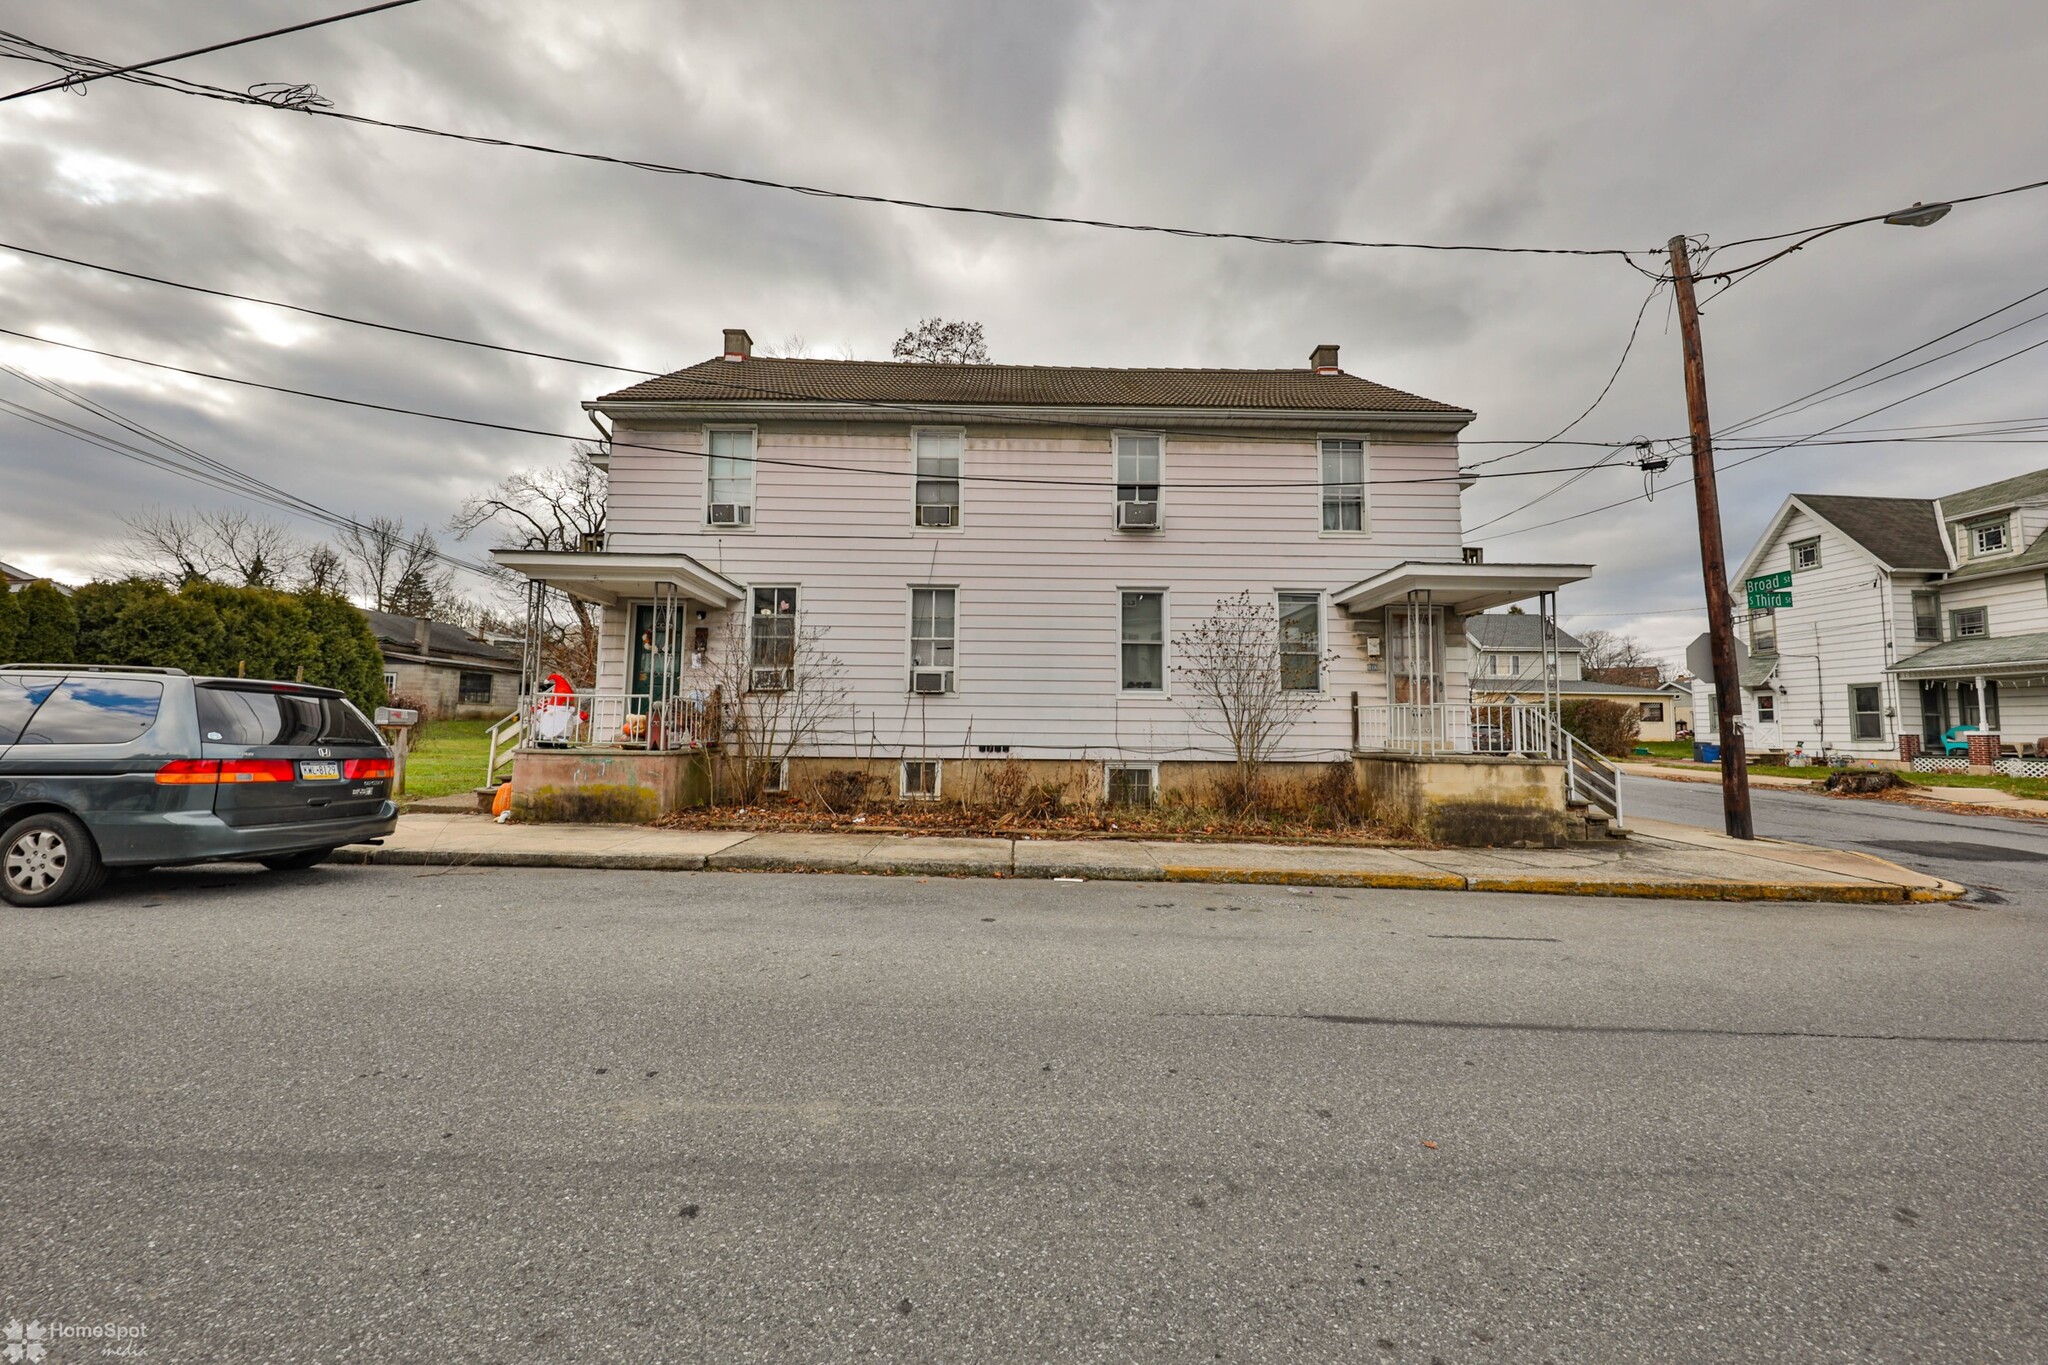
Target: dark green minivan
{"x":106,"y":768}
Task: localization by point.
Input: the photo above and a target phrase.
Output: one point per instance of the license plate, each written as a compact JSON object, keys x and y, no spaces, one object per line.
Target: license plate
{"x":320,"y":772}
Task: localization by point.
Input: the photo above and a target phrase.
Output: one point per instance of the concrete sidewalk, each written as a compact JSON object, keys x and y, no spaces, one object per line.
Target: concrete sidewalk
{"x":1674,"y":862}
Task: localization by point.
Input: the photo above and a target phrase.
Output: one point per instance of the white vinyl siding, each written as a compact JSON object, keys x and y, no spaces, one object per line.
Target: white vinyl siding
{"x":937,"y":454}
{"x":1143,"y":641}
{"x":1343,"y":476}
{"x":730,"y":477}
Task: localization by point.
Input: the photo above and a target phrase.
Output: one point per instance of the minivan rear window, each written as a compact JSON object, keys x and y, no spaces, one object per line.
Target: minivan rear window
{"x":96,"y":711}
{"x":256,"y":717}
{"x":19,"y":698}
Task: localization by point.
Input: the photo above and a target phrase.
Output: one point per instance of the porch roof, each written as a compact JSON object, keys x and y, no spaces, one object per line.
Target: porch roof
{"x":608,"y":579}
{"x":1991,"y":655}
{"x":1466,"y":589}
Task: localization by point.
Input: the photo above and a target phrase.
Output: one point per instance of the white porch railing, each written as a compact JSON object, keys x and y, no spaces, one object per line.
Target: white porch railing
{"x":1506,"y":729}
{"x":504,"y":740}
{"x":591,"y":719}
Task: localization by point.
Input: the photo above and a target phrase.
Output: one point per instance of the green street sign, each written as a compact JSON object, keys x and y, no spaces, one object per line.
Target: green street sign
{"x":1765,"y":600}
{"x":1780,"y":581}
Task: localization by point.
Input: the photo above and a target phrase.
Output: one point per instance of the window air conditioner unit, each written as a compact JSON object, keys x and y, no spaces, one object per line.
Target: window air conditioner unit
{"x":931,"y":681}
{"x":771,"y":680}
{"x":1137,"y":516}
{"x":937,"y":514}
{"x":731,"y":514}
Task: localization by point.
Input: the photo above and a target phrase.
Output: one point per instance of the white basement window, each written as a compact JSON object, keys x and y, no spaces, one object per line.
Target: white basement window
{"x":921,"y":779}
{"x":1131,"y":784}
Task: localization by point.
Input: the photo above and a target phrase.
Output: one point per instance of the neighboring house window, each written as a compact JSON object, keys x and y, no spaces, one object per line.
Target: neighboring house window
{"x":1301,"y":641}
{"x":390,"y":682}
{"x":1514,"y":665}
{"x":921,"y":779}
{"x":1766,"y":708}
{"x":473,"y":688}
{"x":932,"y":636}
{"x":1143,"y":638}
{"x":1493,"y":665}
{"x":1969,"y":622}
{"x":1763,"y":633}
{"x":1927,"y":617}
{"x":1988,"y":537}
{"x":730,"y":499}
{"x":1805,"y":554}
{"x":771,"y":636}
{"x":1653,"y":712}
{"x":938,"y":477}
{"x":1131,"y":784}
{"x":1137,"y":475}
{"x":1713,"y":713}
{"x":1343,"y":485}
{"x":1866,"y":711}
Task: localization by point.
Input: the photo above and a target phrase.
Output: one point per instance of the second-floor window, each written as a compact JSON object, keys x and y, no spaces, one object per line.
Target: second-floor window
{"x":1968,"y":622}
{"x":1805,"y":554}
{"x":1927,"y":617}
{"x":1301,"y":641}
{"x":1137,"y":479}
{"x":938,"y":477}
{"x":1343,"y":485}
{"x":730,"y":491}
{"x":1985,"y":537}
{"x":1763,"y":633}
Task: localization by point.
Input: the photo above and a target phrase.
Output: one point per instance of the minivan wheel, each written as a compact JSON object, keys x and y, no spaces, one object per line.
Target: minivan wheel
{"x":48,"y":859}
{"x":296,"y":862}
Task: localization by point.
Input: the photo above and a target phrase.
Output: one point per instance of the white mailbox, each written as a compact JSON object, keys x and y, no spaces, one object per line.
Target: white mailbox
{"x":397,"y":717}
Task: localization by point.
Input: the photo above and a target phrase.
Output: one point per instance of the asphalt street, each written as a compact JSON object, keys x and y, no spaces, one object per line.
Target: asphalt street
{"x":395,"y":1114}
{"x":2002,"y":859}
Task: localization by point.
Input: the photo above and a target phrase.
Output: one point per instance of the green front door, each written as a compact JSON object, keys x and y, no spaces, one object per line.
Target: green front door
{"x":654,"y":670}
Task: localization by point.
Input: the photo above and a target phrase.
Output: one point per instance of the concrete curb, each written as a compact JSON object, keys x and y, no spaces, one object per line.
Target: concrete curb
{"x":869,"y":863}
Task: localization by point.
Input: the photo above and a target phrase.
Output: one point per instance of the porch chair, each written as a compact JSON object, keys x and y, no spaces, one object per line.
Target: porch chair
{"x":1957,"y":741}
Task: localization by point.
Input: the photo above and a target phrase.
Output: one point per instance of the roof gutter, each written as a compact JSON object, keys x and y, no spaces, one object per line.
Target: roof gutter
{"x":1316,"y":419}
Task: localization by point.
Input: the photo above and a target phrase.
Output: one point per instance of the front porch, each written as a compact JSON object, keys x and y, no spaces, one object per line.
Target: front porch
{"x":1983,"y":706}
{"x":629,"y":744}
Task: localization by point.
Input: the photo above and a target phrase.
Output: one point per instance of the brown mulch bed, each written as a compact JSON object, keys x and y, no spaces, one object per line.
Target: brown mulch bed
{"x":796,"y":817}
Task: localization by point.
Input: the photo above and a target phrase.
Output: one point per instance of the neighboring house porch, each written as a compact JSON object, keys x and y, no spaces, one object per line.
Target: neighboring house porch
{"x":1981,"y":702}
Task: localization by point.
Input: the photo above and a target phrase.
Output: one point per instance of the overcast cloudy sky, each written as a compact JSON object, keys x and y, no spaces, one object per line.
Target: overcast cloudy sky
{"x":1583,"y":124}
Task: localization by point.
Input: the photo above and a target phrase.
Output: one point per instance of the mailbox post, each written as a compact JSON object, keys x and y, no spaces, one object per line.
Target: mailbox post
{"x":396,"y":723}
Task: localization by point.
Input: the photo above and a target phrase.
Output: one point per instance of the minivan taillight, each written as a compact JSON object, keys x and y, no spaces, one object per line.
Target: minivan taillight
{"x":367,"y":769}
{"x":257,"y":770}
{"x":189,"y":772}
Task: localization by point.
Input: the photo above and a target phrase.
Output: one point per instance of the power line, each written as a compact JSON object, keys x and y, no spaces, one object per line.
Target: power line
{"x":75,"y":80}
{"x":180,"y":86}
{"x":1598,"y":398}
{"x":1020,"y":479}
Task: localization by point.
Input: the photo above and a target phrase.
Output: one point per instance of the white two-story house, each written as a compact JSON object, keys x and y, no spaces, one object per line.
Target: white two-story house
{"x":1003,"y":561}
{"x":1914,"y":622}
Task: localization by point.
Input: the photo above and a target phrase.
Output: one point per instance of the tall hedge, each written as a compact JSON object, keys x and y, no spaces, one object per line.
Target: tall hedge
{"x":10,"y":621}
{"x":214,"y":629}
{"x":1608,"y":727}
{"x":48,"y":633}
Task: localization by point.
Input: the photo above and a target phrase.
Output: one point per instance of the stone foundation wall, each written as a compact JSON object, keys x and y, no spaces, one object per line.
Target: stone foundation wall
{"x":605,"y":786}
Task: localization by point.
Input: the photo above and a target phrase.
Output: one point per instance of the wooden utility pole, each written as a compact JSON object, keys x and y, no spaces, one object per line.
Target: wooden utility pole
{"x":1713,"y":559}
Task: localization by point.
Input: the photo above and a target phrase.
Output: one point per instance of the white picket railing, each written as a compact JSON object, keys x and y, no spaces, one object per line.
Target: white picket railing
{"x":590,"y":719}
{"x":504,"y":740}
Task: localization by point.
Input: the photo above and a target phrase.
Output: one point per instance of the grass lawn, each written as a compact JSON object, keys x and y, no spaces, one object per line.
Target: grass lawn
{"x":1667,"y":748}
{"x":449,"y":759}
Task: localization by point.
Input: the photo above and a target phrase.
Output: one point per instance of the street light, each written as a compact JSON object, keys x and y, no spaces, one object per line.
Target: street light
{"x":1920,"y":215}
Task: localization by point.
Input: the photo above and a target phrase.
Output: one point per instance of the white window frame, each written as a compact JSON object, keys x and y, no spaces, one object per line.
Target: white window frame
{"x":1151,"y":770}
{"x":753,"y":460}
{"x":390,"y":682}
{"x":1165,"y":687}
{"x":1976,"y":531}
{"x":1322,"y":687}
{"x":1763,"y":614}
{"x":959,"y":480}
{"x":1876,"y":712}
{"x":1116,"y":472}
{"x":796,"y":617}
{"x":1364,"y":485}
{"x":912,"y":666}
{"x":1811,"y":543}
{"x":1763,"y":700}
{"x":903,"y":791}
{"x":778,"y":783}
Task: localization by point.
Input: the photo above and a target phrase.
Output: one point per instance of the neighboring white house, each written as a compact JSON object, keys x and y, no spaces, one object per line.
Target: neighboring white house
{"x":1508,"y":661}
{"x":1003,"y":558}
{"x":1912,"y":619}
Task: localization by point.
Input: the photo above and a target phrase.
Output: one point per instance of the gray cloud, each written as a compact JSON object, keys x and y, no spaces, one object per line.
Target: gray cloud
{"x":1604,"y":124}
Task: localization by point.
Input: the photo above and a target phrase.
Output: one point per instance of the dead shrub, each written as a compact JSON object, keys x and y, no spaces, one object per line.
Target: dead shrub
{"x":1005,"y":784}
{"x":844,"y":789}
{"x":1043,"y":800}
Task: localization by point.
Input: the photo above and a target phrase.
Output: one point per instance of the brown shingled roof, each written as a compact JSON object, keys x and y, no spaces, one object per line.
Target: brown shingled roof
{"x":765,"y":379}
{"x":1901,"y":532}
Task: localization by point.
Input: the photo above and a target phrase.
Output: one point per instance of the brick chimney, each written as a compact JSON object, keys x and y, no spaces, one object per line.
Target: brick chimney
{"x":1323,"y":359}
{"x":738,"y":345}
